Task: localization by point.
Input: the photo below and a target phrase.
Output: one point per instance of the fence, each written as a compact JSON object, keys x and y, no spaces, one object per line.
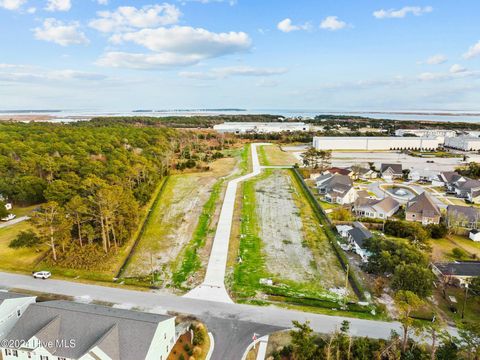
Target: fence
{"x":332,"y":236}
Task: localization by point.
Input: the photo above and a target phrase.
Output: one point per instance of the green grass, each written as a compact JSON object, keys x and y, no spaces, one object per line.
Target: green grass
{"x":262,"y":156}
{"x":190,"y":260}
{"x":18,"y":259}
{"x":248,"y":272}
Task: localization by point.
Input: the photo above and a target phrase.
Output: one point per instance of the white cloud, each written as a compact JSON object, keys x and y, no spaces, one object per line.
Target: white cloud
{"x":473,"y":51}
{"x":58,"y":5}
{"x":186,"y":40}
{"x":456,"y":68}
{"x":231,"y":2}
{"x":102,"y":2}
{"x":225,"y":72}
{"x":286,"y":26}
{"x":61,"y":33}
{"x":435,"y":60}
{"x":28,"y":73}
{"x":332,"y":23}
{"x":401,"y":13}
{"x":152,"y":61}
{"x":126,"y":18}
{"x":12,"y":4}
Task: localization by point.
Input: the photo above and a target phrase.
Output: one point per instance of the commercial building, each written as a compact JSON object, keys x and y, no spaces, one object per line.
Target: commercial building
{"x":375,"y":143}
{"x":426,"y":133}
{"x":260,"y":127}
{"x":465,"y":143}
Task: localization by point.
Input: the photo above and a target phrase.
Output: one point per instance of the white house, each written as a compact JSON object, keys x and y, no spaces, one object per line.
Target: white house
{"x":12,"y":307}
{"x":425,"y":175}
{"x":357,"y":237}
{"x":391,"y":171}
{"x":61,"y":330}
{"x":337,"y":189}
{"x":376,"y":209}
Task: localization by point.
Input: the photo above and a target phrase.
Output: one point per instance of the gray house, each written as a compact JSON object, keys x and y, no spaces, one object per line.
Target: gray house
{"x":68,"y":330}
{"x":391,"y":171}
{"x":357,"y":237}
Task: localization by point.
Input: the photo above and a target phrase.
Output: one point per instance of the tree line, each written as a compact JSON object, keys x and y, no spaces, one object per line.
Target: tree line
{"x":90,"y":181}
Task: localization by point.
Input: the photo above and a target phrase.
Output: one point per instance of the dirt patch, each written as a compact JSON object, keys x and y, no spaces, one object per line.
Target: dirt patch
{"x":280,"y":227}
{"x":174,"y":220}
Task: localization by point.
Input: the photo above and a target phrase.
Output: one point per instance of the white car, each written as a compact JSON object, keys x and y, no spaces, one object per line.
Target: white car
{"x":42,"y":275}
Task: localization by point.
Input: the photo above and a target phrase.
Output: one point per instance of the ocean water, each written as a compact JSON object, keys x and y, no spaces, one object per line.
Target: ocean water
{"x":430,"y":115}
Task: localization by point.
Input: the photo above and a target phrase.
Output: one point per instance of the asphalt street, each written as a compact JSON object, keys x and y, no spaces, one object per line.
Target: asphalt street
{"x":233,"y":325}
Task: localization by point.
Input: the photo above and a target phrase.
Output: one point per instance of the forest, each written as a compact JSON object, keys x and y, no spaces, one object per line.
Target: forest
{"x":91,"y":181}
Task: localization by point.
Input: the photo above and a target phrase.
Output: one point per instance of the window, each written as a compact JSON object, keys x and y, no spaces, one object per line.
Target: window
{"x":19,"y":312}
{"x":8,"y":352}
{"x":43,"y":357}
{"x":15,"y":353}
{"x":165,"y":336}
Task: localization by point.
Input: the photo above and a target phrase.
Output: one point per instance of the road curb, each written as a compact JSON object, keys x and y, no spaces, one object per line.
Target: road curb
{"x":249,"y":347}
{"x":212,"y":346}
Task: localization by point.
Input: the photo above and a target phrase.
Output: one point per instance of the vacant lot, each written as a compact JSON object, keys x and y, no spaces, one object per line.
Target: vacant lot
{"x":281,"y":241}
{"x":274,"y":155}
{"x":174,"y":222}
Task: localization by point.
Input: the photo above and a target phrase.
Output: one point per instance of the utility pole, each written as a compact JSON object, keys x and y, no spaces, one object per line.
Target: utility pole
{"x":346,"y":285}
{"x":465,"y":300}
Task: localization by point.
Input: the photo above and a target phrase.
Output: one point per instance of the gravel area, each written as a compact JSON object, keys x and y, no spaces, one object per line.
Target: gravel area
{"x":280,"y":228}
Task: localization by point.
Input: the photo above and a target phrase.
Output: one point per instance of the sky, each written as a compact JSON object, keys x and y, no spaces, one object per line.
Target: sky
{"x":355,"y":55}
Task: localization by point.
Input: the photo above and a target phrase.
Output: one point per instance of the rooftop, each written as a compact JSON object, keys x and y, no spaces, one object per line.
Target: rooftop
{"x":122,"y":334}
{"x":459,"y":268}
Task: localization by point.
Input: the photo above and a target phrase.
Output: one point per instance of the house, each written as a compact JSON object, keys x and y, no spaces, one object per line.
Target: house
{"x":468,"y":189}
{"x":376,"y":209}
{"x":337,"y":189}
{"x":343,"y":230}
{"x":422,"y":175}
{"x":391,"y":171}
{"x":364,"y":173}
{"x":463,"y":216}
{"x":458,"y":272}
{"x":12,"y":307}
{"x":342,"y":171}
{"x":422,"y":209}
{"x":474,"y":235}
{"x":356,"y":238}
{"x":68,"y":330}
{"x":447,"y":178}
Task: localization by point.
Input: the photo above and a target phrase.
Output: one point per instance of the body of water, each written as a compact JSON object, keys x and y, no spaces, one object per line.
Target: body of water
{"x":79,"y":115}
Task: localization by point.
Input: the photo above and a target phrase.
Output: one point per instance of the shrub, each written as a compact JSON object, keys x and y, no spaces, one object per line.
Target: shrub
{"x":437,"y":231}
{"x":458,"y":253}
{"x":25,"y":239}
{"x":407,"y":230}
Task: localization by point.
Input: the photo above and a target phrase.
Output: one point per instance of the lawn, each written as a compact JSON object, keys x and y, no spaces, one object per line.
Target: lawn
{"x":179,"y":226}
{"x":302,"y":282}
{"x":17,"y":259}
{"x":273,"y":155}
{"x":472,"y":307}
{"x":442,"y":248}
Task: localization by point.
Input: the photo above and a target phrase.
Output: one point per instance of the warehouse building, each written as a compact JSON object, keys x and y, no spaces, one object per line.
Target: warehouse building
{"x":465,"y":143}
{"x":376,"y":143}
{"x":426,"y":133}
{"x":260,"y":127}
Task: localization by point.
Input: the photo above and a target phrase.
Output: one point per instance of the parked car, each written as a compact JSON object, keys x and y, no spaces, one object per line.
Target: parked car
{"x":42,"y":275}
{"x":9,"y":217}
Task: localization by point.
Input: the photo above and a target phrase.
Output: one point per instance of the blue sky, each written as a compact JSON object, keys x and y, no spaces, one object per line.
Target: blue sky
{"x":255,"y":54}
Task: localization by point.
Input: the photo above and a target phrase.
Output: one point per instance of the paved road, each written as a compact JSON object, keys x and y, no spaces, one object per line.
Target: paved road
{"x":14,"y":221}
{"x":213,"y":286}
{"x":245,"y":319}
